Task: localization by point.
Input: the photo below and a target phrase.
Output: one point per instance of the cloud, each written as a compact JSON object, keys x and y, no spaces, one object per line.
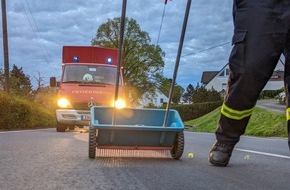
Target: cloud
{"x":38,"y":29}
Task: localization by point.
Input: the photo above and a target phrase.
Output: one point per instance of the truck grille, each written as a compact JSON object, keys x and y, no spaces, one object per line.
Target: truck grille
{"x":82,"y":106}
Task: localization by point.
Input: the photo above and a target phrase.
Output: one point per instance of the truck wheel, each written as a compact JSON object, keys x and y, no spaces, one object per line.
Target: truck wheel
{"x":71,"y":127}
{"x":178,"y":147}
{"x":92,"y":143}
{"x":60,"y":127}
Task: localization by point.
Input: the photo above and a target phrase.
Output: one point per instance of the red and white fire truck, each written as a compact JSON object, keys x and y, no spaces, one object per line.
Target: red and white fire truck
{"x":88,"y":78}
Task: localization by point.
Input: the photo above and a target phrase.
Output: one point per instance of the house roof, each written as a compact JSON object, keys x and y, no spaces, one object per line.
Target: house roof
{"x":207,"y":76}
{"x":277,"y":76}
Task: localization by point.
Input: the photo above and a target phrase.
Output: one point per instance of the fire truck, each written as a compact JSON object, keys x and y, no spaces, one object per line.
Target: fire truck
{"x":88,"y":79}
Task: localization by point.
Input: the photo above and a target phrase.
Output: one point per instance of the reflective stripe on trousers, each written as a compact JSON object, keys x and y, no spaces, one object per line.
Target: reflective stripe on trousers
{"x":235,"y":114}
{"x":287,"y":114}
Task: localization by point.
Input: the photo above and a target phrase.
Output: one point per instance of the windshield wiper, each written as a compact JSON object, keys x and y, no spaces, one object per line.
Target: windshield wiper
{"x":93,"y":83}
{"x":72,"y":81}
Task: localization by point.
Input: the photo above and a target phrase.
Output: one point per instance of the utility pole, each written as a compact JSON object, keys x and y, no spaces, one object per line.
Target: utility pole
{"x":5,"y":47}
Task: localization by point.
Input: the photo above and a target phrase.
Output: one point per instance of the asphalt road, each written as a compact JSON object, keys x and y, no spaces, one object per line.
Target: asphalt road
{"x":45,"y":159}
{"x":272,"y":105}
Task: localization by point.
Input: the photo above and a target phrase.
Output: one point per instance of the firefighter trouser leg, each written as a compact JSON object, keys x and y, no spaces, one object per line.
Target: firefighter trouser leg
{"x":261,"y":29}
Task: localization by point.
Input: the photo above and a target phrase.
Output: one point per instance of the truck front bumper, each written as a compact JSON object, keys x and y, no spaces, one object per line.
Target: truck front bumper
{"x":73,"y":117}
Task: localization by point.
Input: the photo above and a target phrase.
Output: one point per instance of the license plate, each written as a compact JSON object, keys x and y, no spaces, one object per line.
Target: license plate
{"x":85,"y":117}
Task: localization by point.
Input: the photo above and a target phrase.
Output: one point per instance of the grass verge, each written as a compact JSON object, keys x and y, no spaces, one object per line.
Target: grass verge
{"x":263,"y":123}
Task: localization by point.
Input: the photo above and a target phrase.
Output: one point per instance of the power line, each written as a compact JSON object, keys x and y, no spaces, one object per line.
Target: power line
{"x":35,"y":31}
{"x":165,"y":3}
{"x":207,"y":49}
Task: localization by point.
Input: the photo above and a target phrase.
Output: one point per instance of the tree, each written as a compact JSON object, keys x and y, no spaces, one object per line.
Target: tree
{"x":177,"y":93}
{"x":187,"y":96}
{"x":204,"y":95}
{"x":143,"y":61}
{"x":39,"y":80}
{"x":200,"y":94}
{"x":165,"y":85}
{"x":19,"y":82}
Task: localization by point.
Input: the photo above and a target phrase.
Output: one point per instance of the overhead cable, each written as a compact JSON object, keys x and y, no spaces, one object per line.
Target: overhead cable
{"x":210,"y":48}
{"x":35,"y":31}
{"x":165,"y":3}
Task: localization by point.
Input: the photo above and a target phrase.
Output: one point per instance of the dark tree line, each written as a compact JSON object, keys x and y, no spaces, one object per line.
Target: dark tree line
{"x":19,"y":82}
{"x":200,"y":94}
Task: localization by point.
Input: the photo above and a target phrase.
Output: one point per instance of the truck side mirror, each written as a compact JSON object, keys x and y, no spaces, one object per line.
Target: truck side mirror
{"x":52,"y":82}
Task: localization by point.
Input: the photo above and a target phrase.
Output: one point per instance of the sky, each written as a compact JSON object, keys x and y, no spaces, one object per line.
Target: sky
{"x":37,"y":30}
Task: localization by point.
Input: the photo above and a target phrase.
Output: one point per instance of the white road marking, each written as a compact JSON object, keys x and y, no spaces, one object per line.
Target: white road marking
{"x":21,"y":131}
{"x":266,"y":138}
{"x":263,"y":153}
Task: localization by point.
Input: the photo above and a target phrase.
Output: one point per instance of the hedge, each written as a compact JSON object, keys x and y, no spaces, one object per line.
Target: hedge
{"x":21,"y":113}
{"x":193,"y":111}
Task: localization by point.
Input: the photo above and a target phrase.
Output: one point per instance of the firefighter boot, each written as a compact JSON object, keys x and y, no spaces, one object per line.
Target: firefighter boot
{"x":220,"y":154}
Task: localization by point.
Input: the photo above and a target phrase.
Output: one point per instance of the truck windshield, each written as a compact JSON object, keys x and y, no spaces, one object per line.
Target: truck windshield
{"x":90,"y":74}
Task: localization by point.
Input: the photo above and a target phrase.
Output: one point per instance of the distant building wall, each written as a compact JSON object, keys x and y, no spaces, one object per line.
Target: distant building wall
{"x":158,"y":99}
{"x":219,"y":82}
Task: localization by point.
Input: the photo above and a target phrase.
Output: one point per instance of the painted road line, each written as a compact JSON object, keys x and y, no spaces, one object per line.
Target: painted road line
{"x":266,"y":138}
{"x":263,"y":153}
{"x":22,"y":131}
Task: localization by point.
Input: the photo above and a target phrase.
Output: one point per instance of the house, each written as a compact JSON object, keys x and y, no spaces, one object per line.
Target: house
{"x":218,"y":79}
{"x":158,"y":99}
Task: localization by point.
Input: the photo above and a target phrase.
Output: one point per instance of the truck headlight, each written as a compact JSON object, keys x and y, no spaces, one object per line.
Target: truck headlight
{"x":119,"y":104}
{"x":64,"y":103}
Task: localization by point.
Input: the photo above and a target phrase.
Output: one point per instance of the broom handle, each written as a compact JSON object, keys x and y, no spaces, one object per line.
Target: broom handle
{"x":177,"y":61}
{"x":122,"y":28}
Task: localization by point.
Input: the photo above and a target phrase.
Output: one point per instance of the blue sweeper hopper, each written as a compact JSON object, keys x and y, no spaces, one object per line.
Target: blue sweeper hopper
{"x":135,"y":129}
